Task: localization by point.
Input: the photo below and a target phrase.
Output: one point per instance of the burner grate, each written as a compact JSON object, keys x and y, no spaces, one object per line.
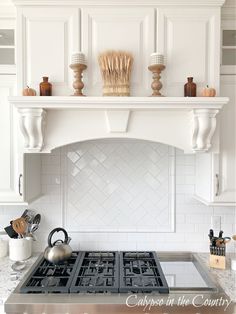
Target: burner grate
{"x":96,"y":272}
{"x":141,"y":272}
{"x":49,"y":278}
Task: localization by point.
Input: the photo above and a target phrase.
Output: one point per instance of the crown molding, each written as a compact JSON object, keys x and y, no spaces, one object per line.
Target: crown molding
{"x":86,"y":3}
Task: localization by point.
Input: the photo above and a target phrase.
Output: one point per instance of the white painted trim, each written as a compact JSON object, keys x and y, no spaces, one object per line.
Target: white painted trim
{"x":117,"y":121}
{"x":7,"y":11}
{"x":205,"y":202}
{"x":32,"y":123}
{"x":203,"y":3}
{"x":168,"y":103}
{"x":204,"y":124}
{"x":117,"y":110}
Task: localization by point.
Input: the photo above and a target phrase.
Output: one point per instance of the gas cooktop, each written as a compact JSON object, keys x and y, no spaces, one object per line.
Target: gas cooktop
{"x":98,"y":272}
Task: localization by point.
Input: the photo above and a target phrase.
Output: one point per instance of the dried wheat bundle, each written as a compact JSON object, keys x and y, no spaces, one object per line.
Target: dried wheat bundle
{"x":115,"y":68}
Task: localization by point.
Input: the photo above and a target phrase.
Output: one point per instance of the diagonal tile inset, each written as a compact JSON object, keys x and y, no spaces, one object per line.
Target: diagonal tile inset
{"x":119,"y":185}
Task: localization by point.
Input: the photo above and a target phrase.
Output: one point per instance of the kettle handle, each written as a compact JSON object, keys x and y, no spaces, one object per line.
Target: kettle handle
{"x":52,"y":233}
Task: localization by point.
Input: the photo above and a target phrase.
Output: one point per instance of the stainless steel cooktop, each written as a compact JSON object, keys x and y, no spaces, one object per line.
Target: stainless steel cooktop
{"x":115,"y":302}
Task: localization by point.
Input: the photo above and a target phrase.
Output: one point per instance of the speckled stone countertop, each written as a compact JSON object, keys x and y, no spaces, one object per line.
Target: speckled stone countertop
{"x":226,"y":278}
{"x":7,"y":285}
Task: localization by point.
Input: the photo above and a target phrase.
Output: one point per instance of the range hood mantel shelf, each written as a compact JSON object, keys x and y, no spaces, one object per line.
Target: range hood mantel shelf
{"x":156,"y":103}
{"x":187,"y":123}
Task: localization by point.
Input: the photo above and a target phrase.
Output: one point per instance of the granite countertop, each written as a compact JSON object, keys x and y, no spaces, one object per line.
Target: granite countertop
{"x":226,"y":278}
{"x":7,"y":285}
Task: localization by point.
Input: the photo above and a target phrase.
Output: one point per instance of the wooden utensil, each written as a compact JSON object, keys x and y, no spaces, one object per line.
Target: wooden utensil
{"x":19,"y":225}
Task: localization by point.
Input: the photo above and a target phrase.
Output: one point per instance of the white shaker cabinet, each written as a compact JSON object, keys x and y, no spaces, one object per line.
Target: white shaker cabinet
{"x":189,"y":38}
{"x":227,"y":157}
{"x":122,"y":28}
{"x":216,"y":172}
{"x":46,"y":38}
{"x":20,"y":174}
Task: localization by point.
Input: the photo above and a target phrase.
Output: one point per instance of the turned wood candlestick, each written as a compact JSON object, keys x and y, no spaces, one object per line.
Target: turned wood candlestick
{"x":156,"y":70}
{"x":78,"y":83}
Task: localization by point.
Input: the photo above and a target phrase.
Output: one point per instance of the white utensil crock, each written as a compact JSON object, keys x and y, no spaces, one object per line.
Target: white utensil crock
{"x":20,"y":249}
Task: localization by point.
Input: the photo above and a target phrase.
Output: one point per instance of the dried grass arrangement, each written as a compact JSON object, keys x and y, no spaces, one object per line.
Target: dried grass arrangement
{"x":115,"y":68}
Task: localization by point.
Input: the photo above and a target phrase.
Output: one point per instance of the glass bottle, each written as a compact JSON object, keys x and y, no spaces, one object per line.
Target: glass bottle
{"x":45,"y":87}
{"x":190,"y":88}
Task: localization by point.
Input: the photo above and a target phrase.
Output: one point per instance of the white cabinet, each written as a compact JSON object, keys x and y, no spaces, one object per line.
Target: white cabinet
{"x":227,"y":162}
{"x":122,"y":28}
{"x":189,"y":38}
{"x":16,"y":169}
{"x":46,"y":37}
{"x":216,"y":172}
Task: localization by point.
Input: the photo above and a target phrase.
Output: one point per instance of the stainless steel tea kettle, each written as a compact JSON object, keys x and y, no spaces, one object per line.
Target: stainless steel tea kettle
{"x":60,"y":250}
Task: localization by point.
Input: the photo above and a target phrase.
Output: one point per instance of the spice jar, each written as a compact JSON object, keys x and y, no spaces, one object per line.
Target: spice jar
{"x":45,"y":87}
{"x":190,"y":88}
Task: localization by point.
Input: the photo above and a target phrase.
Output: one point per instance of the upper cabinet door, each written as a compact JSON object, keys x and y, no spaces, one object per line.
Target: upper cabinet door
{"x":7,"y":161}
{"x":120,"y":28}
{"x":190,"y":41}
{"x":46,"y":39}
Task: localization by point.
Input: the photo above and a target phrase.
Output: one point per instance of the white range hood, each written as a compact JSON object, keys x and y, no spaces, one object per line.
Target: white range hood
{"x":50,"y":122}
{"x":167,"y":27}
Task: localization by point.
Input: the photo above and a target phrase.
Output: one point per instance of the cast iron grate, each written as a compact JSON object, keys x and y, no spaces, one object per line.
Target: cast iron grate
{"x":49,"y":278}
{"x":141,"y":272}
{"x":97,"y":272}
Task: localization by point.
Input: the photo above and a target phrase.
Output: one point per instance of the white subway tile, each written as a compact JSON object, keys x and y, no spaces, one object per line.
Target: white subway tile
{"x":98,"y":160}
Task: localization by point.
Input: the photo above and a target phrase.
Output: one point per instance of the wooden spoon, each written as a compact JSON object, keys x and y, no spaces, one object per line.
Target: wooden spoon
{"x":19,"y":225}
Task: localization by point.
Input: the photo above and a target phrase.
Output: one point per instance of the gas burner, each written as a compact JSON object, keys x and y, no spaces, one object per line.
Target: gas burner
{"x":50,"y":281}
{"x":141,"y":272}
{"x":49,"y":278}
{"x":99,"y":266}
{"x":98,"y":272}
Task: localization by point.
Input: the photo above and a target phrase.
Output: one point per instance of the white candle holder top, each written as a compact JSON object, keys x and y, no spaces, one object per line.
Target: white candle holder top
{"x":157,"y":65}
{"x":78,"y":65}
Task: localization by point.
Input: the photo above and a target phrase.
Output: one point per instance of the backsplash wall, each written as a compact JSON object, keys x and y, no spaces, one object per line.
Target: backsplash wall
{"x":192,"y":219}
{"x":118,"y":185}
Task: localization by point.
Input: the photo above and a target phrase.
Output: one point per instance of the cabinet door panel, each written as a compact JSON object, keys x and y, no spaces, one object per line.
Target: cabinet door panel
{"x":7,"y":162}
{"x":190,"y":40}
{"x":118,"y":29}
{"x":47,"y":38}
{"x":227,"y":158}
